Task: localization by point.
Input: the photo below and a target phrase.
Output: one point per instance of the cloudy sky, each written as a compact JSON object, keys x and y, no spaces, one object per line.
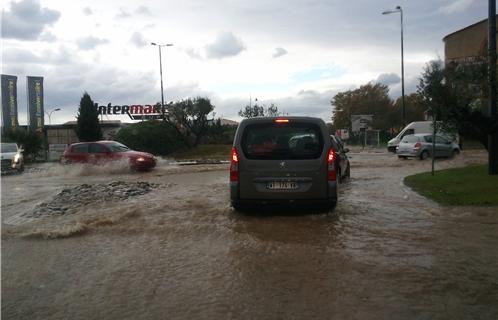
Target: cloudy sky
{"x":294,"y":53}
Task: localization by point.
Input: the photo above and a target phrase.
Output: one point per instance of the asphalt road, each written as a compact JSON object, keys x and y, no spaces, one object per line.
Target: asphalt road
{"x":180,"y":252}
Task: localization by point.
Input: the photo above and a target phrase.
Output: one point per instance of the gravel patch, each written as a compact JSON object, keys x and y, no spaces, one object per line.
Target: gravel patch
{"x":68,"y":200}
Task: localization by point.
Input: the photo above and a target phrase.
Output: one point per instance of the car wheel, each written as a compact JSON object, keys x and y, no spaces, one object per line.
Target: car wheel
{"x":333,"y":199}
{"x":339,"y":176}
{"x":455,"y":153}
{"x":424,"y":155}
{"x":236,"y":206}
{"x":348,"y":172}
{"x":332,"y":205}
{"x":21,"y":169}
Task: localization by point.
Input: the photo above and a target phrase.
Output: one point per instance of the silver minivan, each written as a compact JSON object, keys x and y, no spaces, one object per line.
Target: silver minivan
{"x":282,"y":161}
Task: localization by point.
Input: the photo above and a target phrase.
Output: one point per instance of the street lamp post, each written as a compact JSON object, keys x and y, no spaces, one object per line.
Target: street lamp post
{"x":49,"y":114}
{"x":161,"y":72}
{"x":400,"y":10}
{"x":47,"y":145}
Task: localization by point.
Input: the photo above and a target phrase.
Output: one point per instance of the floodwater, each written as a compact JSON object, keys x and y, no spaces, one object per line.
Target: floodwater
{"x":180,"y":252}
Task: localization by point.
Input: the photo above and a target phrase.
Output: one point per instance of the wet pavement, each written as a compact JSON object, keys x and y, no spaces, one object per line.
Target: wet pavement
{"x":180,"y":252}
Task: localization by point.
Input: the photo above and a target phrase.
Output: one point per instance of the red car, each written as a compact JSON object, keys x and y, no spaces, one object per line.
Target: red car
{"x":104,"y":151}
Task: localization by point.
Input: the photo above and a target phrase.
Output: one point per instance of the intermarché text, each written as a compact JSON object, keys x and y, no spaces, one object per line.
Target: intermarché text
{"x":132,"y":109}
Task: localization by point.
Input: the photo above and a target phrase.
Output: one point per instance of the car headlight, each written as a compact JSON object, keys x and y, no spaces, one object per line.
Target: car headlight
{"x":17,"y":157}
{"x":141,"y":159}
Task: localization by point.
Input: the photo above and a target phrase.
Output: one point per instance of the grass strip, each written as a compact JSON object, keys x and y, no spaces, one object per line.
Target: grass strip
{"x":468,"y":186}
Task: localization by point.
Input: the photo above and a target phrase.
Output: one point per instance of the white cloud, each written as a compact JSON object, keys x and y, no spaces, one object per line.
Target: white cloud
{"x":456,"y":6}
{"x":225,"y":45}
{"x":335,"y":46}
{"x":26,"y":20}
{"x":90,"y":42}
{"x":47,"y":36}
{"x":302,"y":103}
{"x":193,"y":53}
{"x":279,"y":52}
{"x":123,"y":14}
{"x":87,"y":11}
{"x":138,"y":40}
{"x":388,"y":78}
{"x":143,"y":10}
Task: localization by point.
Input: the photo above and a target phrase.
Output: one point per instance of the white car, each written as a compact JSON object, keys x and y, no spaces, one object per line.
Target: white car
{"x":12,"y":158}
{"x":420,"y":146}
{"x":419,"y":127}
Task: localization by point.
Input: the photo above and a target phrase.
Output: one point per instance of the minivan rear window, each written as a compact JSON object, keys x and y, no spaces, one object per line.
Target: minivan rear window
{"x":282,"y":141}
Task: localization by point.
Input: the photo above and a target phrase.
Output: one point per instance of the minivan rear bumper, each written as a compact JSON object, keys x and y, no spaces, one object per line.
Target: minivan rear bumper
{"x":236,"y":201}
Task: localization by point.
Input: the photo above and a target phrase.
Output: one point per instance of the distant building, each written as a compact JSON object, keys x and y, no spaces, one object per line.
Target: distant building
{"x":66,"y":133}
{"x":225,"y":122}
{"x":467,"y":44}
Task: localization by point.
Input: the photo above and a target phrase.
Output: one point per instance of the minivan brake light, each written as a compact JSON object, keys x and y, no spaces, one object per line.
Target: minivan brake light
{"x":234,"y":166}
{"x":281,"y":120}
{"x":331,"y":174}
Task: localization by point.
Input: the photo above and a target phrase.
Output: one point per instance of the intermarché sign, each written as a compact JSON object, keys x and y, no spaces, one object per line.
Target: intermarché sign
{"x":135,"y":111}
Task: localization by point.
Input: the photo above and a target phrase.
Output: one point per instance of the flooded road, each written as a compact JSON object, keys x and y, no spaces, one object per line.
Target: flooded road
{"x":178,"y":251}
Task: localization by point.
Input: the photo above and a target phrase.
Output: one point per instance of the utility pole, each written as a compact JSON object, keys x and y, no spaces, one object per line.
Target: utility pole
{"x":400,"y":10}
{"x":493,"y":137}
{"x":161,"y":74}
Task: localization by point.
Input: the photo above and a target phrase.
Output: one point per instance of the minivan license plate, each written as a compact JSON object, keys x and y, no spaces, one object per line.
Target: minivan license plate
{"x":281,"y":185}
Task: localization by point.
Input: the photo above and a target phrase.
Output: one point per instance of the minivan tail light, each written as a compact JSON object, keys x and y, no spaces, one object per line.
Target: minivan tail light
{"x":234,"y":166}
{"x":281,"y":120}
{"x":331,"y":173}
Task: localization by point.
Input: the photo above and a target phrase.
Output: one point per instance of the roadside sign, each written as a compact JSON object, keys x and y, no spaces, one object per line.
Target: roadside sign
{"x":343,"y":134}
{"x":361,"y":122}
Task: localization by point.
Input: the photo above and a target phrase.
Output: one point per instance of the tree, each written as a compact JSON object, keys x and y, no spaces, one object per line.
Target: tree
{"x":415,"y":109}
{"x":88,"y":125}
{"x":368,"y":99}
{"x":456,"y":94}
{"x":189,"y":118}
{"x":259,"y":111}
{"x":30,"y":141}
{"x":252,"y":111}
{"x":217,"y":133}
{"x":156,"y":137}
{"x":272,"y":111}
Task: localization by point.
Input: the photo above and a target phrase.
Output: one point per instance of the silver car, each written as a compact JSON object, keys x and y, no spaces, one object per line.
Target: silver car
{"x":420,"y":146}
{"x":12,"y":158}
{"x":282,"y":161}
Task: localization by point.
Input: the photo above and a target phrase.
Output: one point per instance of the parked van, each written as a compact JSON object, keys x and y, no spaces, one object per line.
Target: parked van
{"x":282,"y":161}
{"x":416,"y":127}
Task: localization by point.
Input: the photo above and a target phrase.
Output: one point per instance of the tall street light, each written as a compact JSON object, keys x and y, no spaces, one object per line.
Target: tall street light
{"x":396,"y":10}
{"x":161,"y":72}
{"x":49,"y":114}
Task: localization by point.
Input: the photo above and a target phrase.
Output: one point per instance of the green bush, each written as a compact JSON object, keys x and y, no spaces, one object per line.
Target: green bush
{"x":219,"y":134}
{"x":155,"y":137}
{"x":30,"y":141}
